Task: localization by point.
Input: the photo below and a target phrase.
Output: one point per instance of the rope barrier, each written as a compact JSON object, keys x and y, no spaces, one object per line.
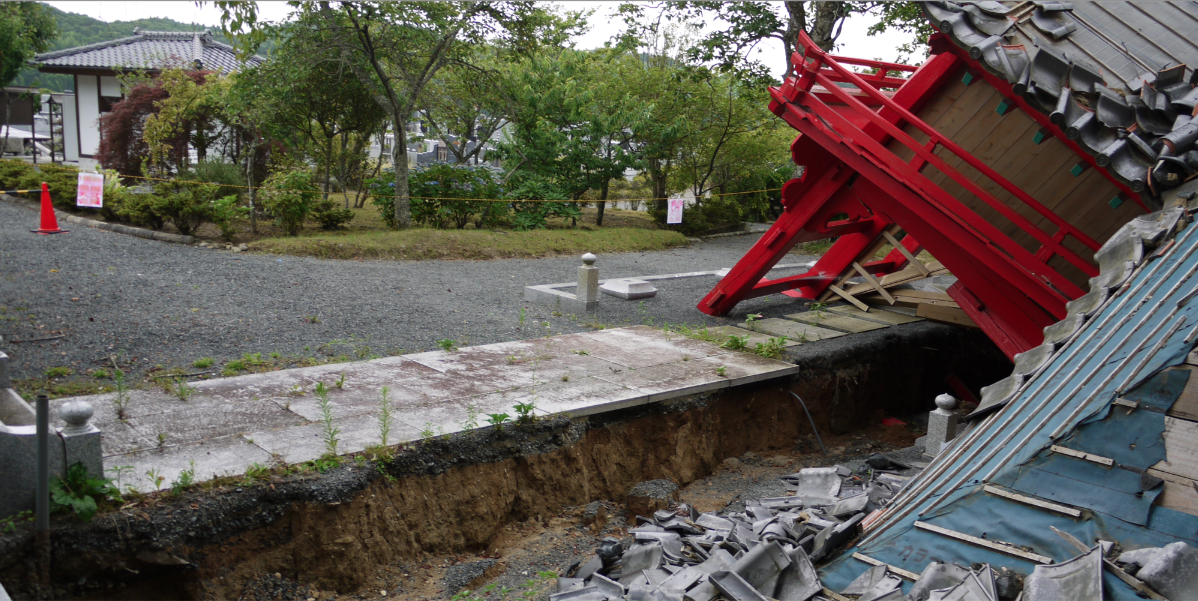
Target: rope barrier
{"x":368,"y":195}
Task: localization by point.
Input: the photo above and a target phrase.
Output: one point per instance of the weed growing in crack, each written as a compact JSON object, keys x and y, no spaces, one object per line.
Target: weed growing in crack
{"x":427,"y":432}
{"x":119,"y":470}
{"x":497,"y":420}
{"x":121,"y":401}
{"x":185,"y":480}
{"x":448,"y":345}
{"x":329,"y":431}
{"x":161,"y":439}
{"x":523,"y":315}
{"x":772,"y":349}
{"x":524,"y":413}
{"x":384,"y":415}
{"x":750,"y":319}
{"x":182,"y":389}
{"x":155,"y":477}
{"x":721,"y":371}
{"x":471,"y":422}
{"x":736,"y":343}
{"x":340,"y":383}
{"x":202,"y":363}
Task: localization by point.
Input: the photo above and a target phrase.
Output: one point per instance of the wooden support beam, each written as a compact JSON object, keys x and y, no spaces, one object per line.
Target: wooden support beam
{"x":1034,"y":502}
{"x":1092,"y":458}
{"x":901,"y":573}
{"x":848,"y":297}
{"x":911,"y":260}
{"x":1004,"y":548}
{"x":873,"y":282}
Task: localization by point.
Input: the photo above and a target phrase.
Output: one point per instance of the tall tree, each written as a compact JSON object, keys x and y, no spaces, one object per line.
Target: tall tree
{"x":26,"y":28}
{"x":396,"y":49}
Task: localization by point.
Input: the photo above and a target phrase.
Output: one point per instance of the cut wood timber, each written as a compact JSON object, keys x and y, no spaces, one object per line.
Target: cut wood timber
{"x":886,"y":317}
{"x":1186,"y":405}
{"x":1033,"y":501}
{"x":906,"y":253}
{"x":869,"y":278}
{"x":1001,"y":547}
{"x":904,"y":276}
{"x":1076,"y":454}
{"x":901,"y":573}
{"x":835,"y":321}
{"x":848,"y":297}
{"x":953,"y":315}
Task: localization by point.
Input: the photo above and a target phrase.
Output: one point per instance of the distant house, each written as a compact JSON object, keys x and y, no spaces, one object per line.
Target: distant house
{"x":97,"y":88}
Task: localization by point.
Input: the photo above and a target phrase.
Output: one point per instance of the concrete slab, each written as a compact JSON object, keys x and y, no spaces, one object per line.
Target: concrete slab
{"x":196,"y":423}
{"x":794,"y":330}
{"x":875,"y":314}
{"x":833,"y":321}
{"x":746,"y":368}
{"x":231,"y":423}
{"x":576,"y":398}
{"x":754,"y":337}
{"x":670,"y":380}
{"x":298,"y":444}
{"x":353,"y":400}
{"x":217,"y":457}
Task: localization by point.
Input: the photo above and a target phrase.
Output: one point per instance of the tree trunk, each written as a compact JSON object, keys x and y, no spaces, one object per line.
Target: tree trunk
{"x":602,"y":202}
{"x":657,"y":184}
{"x":249,"y":180}
{"x":399,"y":156}
{"x":328,"y":164}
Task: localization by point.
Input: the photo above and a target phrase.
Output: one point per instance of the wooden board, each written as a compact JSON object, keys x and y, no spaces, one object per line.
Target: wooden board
{"x":1186,"y":405}
{"x":945,"y":314}
{"x":1181,"y":448}
{"x":793,"y":330}
{"x":881,"y":316}
{"x":834,"y":321}
{"x":907,"y":302}
{"x":1179,"y":493}
{"x":903,"y":276}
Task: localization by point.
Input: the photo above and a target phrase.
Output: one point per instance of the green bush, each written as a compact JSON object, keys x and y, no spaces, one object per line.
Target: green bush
{"x":289,"y":197}
{"x":436,"y":189}
{"x":62,"y":181}
{"x":230,"y":175}
{"x":534,"y":215}
{"x":80,"y":493}
{"x":224,"y":210}
{"x":187,"y":206}
{"x":710,"y":213}
{"x":136,"y":209}
{"x":329,"y":216}
{"x":12,"y":173}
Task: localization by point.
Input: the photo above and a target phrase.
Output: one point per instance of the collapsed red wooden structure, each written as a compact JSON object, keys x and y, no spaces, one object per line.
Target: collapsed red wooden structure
{"x":876,"y":172}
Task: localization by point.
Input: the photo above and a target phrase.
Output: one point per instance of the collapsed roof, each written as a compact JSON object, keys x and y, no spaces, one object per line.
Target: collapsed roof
{"x":1114,"y":75}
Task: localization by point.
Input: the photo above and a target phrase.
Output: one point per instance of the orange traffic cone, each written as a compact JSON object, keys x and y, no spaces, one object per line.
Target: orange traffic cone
{"x":49,"y":220}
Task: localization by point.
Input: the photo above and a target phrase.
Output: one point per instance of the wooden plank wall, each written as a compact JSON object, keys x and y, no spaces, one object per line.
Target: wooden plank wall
{"x":1179,"y":469}
{"x":968,"y":116}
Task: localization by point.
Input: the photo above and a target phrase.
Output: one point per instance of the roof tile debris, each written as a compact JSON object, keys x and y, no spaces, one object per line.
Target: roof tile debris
{"x":150,"y":50}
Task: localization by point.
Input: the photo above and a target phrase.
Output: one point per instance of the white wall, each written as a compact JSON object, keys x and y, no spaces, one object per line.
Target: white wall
{"x":109,"y":86}
{"x":87,"y":97}
{"x":70,"y":129}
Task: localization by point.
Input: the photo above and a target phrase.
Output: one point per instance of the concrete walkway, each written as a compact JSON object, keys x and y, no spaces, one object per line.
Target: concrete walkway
{"x":229,"y":424}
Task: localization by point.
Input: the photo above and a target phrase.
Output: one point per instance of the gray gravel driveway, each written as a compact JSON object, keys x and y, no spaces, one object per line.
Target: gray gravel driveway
{"x":153,"y":303}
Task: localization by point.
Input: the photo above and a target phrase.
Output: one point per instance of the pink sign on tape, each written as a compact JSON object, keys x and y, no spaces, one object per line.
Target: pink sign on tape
{"x":675,"y":213}
{"x":91,"y":190}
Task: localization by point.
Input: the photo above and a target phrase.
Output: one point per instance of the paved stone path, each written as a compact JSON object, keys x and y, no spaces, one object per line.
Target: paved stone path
{"x":229,"y":424}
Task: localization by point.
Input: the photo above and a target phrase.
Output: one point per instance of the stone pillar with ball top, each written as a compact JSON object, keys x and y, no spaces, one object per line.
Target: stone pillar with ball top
{"x":942,"y":425}
{"x":588,"y":282}
{"x":81,"y":440}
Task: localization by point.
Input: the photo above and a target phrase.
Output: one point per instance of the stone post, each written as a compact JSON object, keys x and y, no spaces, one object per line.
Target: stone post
{"x":4,"y":381}
{"x":80,"y":439}
{"x":942,"y":425}
{"x":588,"y":280}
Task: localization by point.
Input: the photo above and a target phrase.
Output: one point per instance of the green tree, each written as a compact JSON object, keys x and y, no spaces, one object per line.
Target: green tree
{"x":26,"y":28}
{"x":396,"y":49}
{"x":313,"y":99}
{"x":466,"y":104}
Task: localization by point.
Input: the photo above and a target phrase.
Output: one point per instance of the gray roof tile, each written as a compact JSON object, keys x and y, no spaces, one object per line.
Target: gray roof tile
{"x":150,"y":50}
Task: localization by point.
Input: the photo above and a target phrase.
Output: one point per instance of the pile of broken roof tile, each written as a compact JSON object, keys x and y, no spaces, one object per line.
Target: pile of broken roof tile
{"x":765,"y":552}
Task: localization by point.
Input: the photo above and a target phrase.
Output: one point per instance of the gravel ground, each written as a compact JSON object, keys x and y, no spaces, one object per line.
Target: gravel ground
{"x":153,"y":303}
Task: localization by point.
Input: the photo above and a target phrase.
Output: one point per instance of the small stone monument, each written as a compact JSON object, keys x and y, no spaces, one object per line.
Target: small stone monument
{"x":588,"y":281}
{"x":628,"y":289}
{"x":942,"y":425}
{"x":81,"y":440}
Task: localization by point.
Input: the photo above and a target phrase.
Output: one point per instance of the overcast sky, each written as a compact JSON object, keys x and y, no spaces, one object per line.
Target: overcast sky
{"x":853,"y":41}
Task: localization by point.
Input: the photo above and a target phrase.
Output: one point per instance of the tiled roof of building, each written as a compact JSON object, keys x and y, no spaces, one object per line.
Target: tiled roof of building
{"x":150,"y":50}
{"x":1114,"y":75}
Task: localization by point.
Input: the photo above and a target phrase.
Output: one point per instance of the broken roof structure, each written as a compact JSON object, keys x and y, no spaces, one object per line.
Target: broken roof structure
{"x":1033,"y":132}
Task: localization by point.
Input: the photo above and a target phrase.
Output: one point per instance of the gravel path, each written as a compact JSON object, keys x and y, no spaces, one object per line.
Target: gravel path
{"x":153,"y":303}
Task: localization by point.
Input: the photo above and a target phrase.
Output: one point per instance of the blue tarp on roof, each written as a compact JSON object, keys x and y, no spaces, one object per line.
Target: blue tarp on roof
{"x":1125,"y":351}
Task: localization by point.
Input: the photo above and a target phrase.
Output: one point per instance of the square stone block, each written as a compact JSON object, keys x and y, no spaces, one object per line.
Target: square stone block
{"x":629,"y":289}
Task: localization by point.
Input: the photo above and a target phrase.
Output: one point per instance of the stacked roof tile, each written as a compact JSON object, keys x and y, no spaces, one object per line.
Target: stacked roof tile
{"x":1112,"y":75}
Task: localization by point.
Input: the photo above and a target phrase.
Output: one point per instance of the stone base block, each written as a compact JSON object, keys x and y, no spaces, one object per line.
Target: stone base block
{"x":551,"y":295}
{"x":628,"y":289}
